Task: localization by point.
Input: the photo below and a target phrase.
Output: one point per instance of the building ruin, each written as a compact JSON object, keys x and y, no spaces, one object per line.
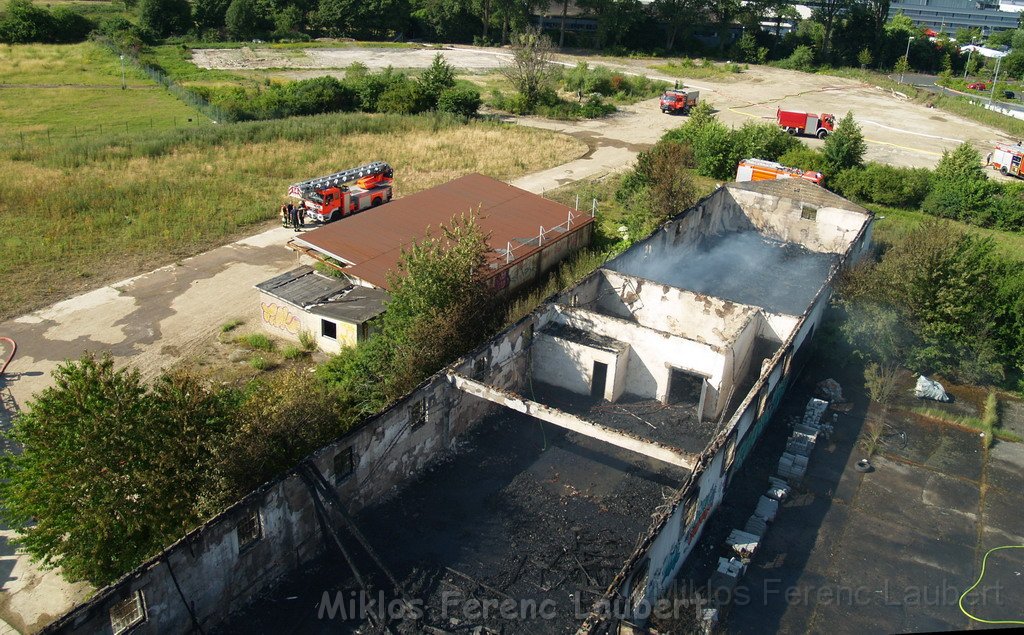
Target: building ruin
{"x":566,"y":465}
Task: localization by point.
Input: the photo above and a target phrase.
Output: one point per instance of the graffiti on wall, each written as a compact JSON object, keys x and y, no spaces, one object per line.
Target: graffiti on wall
{"x":280,"y":317}
{"x":703,"y":511}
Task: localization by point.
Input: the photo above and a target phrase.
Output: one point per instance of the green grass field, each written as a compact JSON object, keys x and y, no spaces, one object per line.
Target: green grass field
{"x":54,"y":93}
{"x":80,"y":214}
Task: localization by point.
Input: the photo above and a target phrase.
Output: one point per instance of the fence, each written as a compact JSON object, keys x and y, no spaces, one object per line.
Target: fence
{"x":190,"y":97}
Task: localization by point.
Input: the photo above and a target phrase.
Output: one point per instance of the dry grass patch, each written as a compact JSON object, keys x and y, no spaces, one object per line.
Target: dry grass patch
{"x":65,"y":229}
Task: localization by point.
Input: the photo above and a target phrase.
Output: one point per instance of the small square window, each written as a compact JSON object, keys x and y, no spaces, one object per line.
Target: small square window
{"x":344,"y":464}
{"x":329,"y":329}
{"x":808,"y":212}
{"x":417,"y":414}
{"x":249,"y":531}
{"x":127,"y":613}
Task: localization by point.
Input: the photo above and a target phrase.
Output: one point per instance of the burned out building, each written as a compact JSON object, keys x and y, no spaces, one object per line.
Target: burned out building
{"x":568,"y":464}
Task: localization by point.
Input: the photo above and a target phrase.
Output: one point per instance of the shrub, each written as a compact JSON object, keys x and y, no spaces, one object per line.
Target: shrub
{"x":885,"y":185}
{"x":761,"y":141}
{"x":227,"y":327}
{"x":256,"y":341}
{"x":961,"y":190}
{"x":461,"y":100}
{"x":402,"y":98}
{"x":438,"y":78}
{"x":802,"y":59}
{"x":881,"y":382}
{"x":25,"y":22}
{"x":307,"y":340}
{"x":845,"y":147}
{"x":804,"y":158}
{"x":70,"y":26}
{"x":292,"y":352}
{"x":259,"y":362}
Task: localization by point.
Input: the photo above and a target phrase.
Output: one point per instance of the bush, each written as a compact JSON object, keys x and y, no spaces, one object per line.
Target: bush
{"x":845,"y":147}
{"x":885,"y":185}
{"x":25,"y":22}
{"x":802,"y":59}
{"x":256,"y":341}
{"x":307,"y":340}
{"x":460,"y":100}
{"x":804,"y":158}
{"x":961,"y":190}
{"x":402,"y":98}
{"x":761,"y":141}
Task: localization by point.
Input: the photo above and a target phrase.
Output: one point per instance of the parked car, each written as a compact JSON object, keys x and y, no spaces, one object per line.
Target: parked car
{"x":977,"y":86}
{"x":1009,"y":94}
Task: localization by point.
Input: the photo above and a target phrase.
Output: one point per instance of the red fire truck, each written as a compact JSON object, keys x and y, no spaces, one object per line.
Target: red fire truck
{"x":759,"y":170}
{"x":1007,"y":159}
{"x":799,"y":122}
{"x":679,"y":100}
{"x":328,"y":198}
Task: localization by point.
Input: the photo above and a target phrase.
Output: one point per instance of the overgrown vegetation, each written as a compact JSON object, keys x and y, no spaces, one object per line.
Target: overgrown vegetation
{"x":387,"y":91}
{"x":939,"y":300}
{"x":717,"y":149}
{"x":150,"y":199}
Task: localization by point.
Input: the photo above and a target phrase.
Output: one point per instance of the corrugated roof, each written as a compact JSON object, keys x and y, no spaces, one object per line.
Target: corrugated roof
{"x":358,"y":305}
{"x":303,"y":286}
{"x":335,"y":298}
{"x":801,"y":190}
{"x":372,"y":242}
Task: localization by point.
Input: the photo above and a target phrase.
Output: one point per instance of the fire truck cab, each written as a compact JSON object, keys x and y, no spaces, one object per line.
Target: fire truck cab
{"x":1007,"y":159}
{"x":328,"y":198}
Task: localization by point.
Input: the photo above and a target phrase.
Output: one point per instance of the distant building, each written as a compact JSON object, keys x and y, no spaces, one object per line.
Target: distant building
{"x":949,"y":15}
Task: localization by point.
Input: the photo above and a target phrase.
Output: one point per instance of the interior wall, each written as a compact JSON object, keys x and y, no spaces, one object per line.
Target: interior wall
{"x":831,"y":231}
{"x":652,"y":354}
{"x":570,"y":365}
{"x":677,"y":311}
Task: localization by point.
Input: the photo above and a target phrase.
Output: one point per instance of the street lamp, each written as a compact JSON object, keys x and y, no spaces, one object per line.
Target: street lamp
{"x":969,"y":52}
{"x":123,"y":86}
{"x":995,"y":79}
{"x":906,"y":56}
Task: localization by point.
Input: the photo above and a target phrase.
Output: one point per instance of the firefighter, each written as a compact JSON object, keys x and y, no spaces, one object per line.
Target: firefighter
{"x":296,"y":218}
{"x":988,"y":159}
{"x":286,"y":215}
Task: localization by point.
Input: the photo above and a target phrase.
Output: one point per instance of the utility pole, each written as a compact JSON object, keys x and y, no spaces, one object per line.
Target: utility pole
{"x":969,"y":53}
{"x":995,"y":78}
{"x":906,"y":56}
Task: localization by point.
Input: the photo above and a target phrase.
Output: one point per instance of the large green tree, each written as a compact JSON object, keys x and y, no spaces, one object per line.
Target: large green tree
{"x":108,"y":469}
{"x":165,"y":17}
{"x":960,"y":188}
{"x":844,"y":147}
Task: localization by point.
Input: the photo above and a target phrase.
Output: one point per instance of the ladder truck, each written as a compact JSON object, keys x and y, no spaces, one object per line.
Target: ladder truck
{"x":760,"y":170}
{"x":328,"y":198}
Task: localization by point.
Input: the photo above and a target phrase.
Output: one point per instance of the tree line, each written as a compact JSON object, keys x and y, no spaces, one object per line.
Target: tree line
{"x":853,"y":33}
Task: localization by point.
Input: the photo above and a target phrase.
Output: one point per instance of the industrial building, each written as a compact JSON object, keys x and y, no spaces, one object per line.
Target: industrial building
{"x":566,"y":466}
{"x":527,"y":234}
{"x":949,"y":15}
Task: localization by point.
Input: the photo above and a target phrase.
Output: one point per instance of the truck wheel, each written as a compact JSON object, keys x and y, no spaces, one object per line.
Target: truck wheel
{"x":791,"y":131}
{"x":333,"y":217}
{"x":375,"y":202}
{"x":822,"y":134}
{"x":1004,"y":171}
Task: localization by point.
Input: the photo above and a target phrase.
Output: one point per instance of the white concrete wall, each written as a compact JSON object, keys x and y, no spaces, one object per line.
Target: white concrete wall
{"x":677,"y":311}
{"x":285,"y":320}
{"x":832,"y":230}
{"x":652,"y":354}
{"x":777,"y":326}
{"x":570,"y":365}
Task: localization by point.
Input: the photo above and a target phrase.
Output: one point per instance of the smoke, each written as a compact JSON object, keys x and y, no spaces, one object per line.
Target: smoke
{"x":743,"y":267}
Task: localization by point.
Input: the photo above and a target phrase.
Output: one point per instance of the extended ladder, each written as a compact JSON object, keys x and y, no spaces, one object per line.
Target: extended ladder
{"x":340,"y":178}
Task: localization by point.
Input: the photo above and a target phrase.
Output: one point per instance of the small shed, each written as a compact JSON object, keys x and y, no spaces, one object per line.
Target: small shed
{"x":334,"y":310}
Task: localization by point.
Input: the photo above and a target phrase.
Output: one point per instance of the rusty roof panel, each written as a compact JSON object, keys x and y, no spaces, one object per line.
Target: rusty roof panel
{"x":373,"y":241}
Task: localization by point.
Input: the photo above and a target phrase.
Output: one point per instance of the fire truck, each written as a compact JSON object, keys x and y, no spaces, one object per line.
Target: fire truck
{"x":328,"y":198}
{"x":759,"y":170}
{"x":1007,"y":159}
{"x":679,"y":100}
{"x":798,"y":122}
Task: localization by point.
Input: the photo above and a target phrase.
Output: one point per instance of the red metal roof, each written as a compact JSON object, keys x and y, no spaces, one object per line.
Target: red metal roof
{"x":372,"y":241}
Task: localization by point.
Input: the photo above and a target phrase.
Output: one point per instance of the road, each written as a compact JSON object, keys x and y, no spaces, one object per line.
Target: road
{"x":173,"y":313}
